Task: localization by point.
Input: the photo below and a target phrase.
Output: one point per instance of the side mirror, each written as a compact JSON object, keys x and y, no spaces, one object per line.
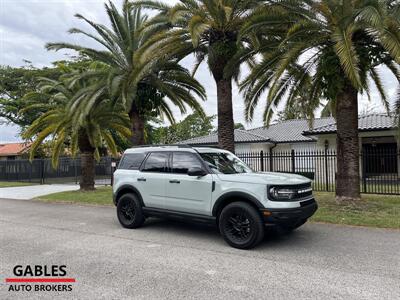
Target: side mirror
{"x":197,"y":172}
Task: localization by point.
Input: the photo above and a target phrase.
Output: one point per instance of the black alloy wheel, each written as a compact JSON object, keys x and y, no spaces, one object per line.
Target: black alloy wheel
{"x":129,"y":211}
{"x":241,"y":225}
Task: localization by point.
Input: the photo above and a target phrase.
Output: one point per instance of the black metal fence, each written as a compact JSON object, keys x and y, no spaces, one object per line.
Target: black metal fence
{"x":379,"y":168}
{"x":379,"y":172}
{"x":41,"y":171}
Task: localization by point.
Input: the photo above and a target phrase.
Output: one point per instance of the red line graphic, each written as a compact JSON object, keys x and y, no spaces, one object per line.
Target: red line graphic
{"x":40,"y":279}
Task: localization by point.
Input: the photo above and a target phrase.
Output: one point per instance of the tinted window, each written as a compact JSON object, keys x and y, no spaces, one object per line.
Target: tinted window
{"x":132,"y":161}
{"x":225,"y":163}
{"x":156,"y":162}
{"x":182,"y":162}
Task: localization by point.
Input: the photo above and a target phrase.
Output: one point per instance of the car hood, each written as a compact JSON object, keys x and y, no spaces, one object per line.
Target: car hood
{"x":265,"y":178}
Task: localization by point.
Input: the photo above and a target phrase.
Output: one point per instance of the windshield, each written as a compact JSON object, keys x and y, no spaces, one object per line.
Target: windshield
{"x":225,"y":163}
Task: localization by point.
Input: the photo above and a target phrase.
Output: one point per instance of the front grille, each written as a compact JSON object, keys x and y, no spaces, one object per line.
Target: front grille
{"x":302,"y":191}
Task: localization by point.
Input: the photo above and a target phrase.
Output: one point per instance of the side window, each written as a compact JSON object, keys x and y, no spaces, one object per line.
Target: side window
{"x":156,"y":162}
{"x":132,"y":161}
{"x":182,"y":162}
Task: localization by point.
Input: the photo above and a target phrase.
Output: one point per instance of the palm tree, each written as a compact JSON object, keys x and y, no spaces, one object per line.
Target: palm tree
{"x":397,"y":110}
{"x":338,"y":46}
{"x":94,"y":130}
{"x":131,"y":75}
{"x":210,"y":30}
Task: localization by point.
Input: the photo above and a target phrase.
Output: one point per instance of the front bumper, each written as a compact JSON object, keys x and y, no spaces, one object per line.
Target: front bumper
{"x":290,"y":215}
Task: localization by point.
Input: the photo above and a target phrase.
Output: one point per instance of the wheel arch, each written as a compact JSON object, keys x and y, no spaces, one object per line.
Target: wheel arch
{"x":230,"y":197}
{"x":125,"y":189}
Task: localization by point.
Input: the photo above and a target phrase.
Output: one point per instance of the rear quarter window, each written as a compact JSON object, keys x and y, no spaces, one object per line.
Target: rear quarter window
{"x":131,"y":161}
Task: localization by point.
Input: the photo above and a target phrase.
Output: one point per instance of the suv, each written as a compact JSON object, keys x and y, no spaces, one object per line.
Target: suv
{"x":208,"y":185}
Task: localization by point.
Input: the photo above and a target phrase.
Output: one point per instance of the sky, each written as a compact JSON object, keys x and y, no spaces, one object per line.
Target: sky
{"x":27,"y":25}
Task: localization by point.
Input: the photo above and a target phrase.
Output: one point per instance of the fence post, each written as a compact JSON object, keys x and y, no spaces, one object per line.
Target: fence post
{"x":326,"y":169}
{"x":293,"y":161}
{"x":262,"y":160}
{"x":42,"y":171}
{"x":6,"y":170}
{"x":30,"y":170}
{"x":364,"y":171}
{"x":113,"y":168}
{"x":271,"y":161}
{"x":75,"y":170}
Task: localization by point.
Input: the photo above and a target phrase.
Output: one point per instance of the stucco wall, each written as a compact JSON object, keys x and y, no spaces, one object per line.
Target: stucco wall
{"x":316,"y":164}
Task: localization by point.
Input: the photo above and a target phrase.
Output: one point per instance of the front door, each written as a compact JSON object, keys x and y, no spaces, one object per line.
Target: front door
{"x":380,"y":158}
{"x":186,"y":193}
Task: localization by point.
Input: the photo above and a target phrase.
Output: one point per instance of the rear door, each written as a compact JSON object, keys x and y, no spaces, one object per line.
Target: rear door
{"x":152,"y":179}
{"x":186,"y":193}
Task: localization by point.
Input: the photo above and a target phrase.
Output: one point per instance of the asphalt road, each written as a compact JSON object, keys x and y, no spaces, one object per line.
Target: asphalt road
{"x":172,"y":260}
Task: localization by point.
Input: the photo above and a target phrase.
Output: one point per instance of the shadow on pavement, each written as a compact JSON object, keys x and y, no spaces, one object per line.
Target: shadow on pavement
{"x":273,"y":237}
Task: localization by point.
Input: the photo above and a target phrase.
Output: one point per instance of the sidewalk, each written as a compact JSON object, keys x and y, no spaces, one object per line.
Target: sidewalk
{"x":34,"y":191}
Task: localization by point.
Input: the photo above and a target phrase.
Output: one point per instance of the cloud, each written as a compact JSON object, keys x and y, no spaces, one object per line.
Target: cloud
{"x":27,"y":25}
{"x":9,"y":133}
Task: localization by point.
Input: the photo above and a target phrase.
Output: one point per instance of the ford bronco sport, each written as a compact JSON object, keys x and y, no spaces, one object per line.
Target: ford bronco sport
{"x":208,"y":185}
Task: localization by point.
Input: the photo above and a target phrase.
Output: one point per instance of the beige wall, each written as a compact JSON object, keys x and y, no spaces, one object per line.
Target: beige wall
{"x":253,"y":147}
{"x":318,"y":164}
{"x":331,"y":138}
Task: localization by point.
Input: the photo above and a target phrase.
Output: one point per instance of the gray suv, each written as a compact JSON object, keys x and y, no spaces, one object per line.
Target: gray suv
{"x":208,"y":185}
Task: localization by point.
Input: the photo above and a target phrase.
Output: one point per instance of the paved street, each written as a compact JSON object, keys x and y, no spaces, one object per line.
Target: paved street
{"x":179,"y":261}
{"x":33,"y":191}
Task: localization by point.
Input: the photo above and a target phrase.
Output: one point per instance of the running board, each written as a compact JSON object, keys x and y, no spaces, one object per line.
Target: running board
{"x":177,"y":215}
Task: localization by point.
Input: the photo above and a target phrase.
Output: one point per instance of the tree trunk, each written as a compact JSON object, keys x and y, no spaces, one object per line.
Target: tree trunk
{"x":137,"y":123}
{"x":225,"y":115}
{"x":86,"y":182}
{"x":223,"y":46}
{"x":348,"y":164}
{"x":87,"y":171}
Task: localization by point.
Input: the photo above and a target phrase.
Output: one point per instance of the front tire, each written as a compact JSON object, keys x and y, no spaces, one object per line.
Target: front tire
{"x":241,"y":225}
{"x":129,"y":211}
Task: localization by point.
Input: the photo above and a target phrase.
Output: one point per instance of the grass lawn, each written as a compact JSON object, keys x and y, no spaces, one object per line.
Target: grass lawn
{"x":101,"y":196}
{"x":374,"y":210}
{"x":14,"y":184}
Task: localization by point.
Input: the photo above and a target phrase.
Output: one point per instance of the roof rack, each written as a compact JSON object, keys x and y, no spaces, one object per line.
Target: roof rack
{"x":164,"y":145}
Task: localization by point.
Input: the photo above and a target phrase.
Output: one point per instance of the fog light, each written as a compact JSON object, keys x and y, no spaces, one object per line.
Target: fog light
{"x":266,"y":213}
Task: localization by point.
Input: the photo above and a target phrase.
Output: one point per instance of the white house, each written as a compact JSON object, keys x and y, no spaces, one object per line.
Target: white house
{"x":377,"y":132}
{"x":377,"y":129}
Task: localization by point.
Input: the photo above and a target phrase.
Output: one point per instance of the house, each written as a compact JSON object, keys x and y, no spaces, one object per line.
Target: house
{"x":378,"y":137}
{"x":299,"y":134}
{"x":282,"y":136}
{"x":10,"y":151}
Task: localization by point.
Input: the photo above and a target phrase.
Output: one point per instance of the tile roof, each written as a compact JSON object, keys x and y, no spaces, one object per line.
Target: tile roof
{"x":292,"y":131}
{"x":10,"y":149}
{"x":241,"y":136}
{"x":370,"y":122}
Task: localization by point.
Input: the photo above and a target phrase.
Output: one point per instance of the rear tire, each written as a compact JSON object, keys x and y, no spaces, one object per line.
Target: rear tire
{"x":241,"y":225}
{"x":129,"y":211}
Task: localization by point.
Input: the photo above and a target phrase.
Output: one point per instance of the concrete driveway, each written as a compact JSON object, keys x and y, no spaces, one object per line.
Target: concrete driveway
{"x":34,"y":191}
{"x":167,"y":260}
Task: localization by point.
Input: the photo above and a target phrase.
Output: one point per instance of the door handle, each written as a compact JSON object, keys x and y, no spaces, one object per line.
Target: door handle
{"x":174,"y":181}
{"x":141,"y":179}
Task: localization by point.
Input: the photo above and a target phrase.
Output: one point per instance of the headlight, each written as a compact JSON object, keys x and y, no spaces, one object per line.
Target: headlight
{"x":289,"y":193}
{"x":282,"y":193}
